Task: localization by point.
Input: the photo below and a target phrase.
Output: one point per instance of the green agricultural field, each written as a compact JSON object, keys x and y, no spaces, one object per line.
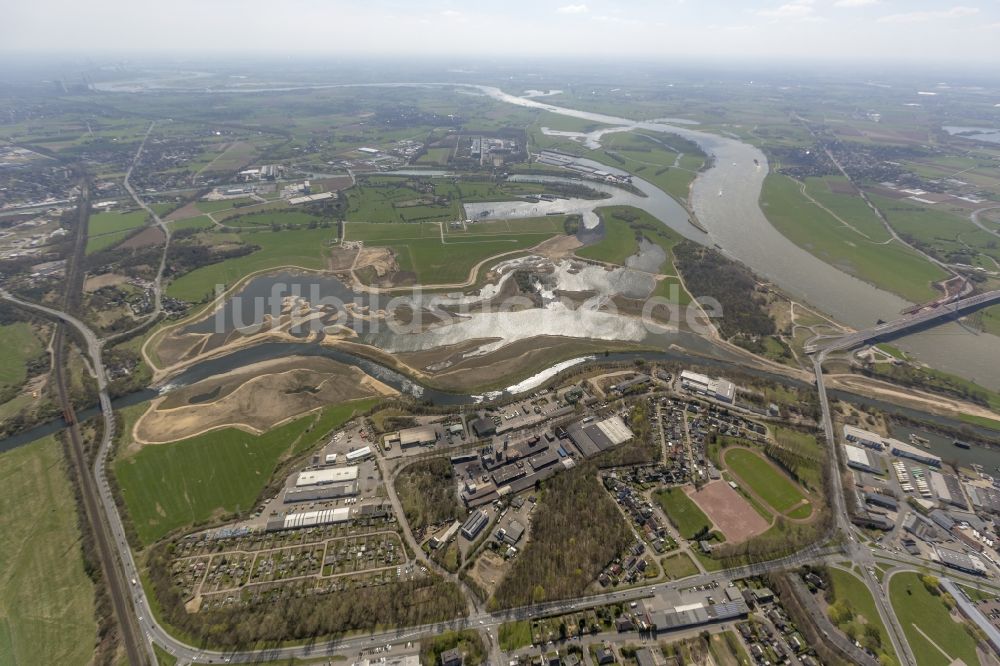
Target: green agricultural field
{"x":940,"y":231}
{"x":105,"y":241}
{"x":678,"y":565}
{"x":419,"y":249}
{"x":934,"y":637}
{"x":850,"y":208}
{"x":21,"y":344}
{"x":683,"y":512}
{"x":106,"y":223}
{"x":105,"y":230}
{"x":435,"y":156}
{"x":377,"y":234}
{"x":200,"y":222}
{"x":299,"y":247}
{"x":226,"y":204}
{"x":267,"y":218}
{"x":169,"y":486}
{"x":619,"y":243}
{"x":388,"y":199}
{"x":777,"y":490}
{"x":46,"y":599}
{"x":856,"y":608}
{"x":892,"y":266}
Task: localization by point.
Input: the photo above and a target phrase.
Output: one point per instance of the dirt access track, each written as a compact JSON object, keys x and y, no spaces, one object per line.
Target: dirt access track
{"x":727,"y":509}
{"x":254,"y":398}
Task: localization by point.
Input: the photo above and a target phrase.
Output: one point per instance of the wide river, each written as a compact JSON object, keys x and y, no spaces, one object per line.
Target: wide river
{"x":736,"y":223}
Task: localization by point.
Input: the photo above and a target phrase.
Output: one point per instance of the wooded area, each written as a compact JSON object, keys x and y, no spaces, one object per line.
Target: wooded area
{"x":708,"y":273}
{"x":577,"y":529}
{"x":426,"y":489}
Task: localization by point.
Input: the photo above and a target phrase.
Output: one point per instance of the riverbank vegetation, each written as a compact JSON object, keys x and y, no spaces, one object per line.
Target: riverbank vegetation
{"x":707,"y":273}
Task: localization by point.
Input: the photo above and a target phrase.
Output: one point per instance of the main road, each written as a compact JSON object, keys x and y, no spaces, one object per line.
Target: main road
{"x":855,"y":551}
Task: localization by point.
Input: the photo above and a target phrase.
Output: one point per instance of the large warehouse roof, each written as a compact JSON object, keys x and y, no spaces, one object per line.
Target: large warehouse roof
{"x":615,"y":430}
{"x":315,"y":477}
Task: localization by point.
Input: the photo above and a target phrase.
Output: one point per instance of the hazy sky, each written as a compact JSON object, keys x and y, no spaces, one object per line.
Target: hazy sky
{"x":853,"y":29}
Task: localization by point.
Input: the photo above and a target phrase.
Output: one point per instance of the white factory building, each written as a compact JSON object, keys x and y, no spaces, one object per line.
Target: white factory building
{"x":720,"y":389}
{"x":330,"y":475}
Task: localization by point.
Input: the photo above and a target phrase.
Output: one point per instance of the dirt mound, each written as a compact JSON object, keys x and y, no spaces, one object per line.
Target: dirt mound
{"x":255,"y":398}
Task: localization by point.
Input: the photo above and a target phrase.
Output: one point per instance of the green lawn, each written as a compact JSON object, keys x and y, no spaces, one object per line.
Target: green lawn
{"x":46,"y":599}
{"x":893,"y":267}
{"x":514,"y":635}
{"x":678,"y":566}
{"x":168,"y":486}
{"x":682,"y":511}
{"x":299,"y":247}
{"x":852,"y":591}
{"x":768,"y":483}
{"x":915,"y":608}
{"x":20,"y":345}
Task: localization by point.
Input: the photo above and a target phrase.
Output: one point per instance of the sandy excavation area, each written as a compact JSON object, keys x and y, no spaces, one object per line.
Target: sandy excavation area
{"x":254,"y":398}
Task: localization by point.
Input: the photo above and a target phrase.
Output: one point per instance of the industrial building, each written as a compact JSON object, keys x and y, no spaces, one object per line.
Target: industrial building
{"x":867,"y":438}
{"x":860,"y":459}
{"x":474,"y":524}
{"x":948,"y":489}
{"x":359,"y":454}
{"x":511,"y":534}
{"x":901,"y":450}
{"x":596,"y":437}
{"x":318,"y":493}
{"x":484,"y":428}
{"x":330,"y":475}
{"x":696,"y":614}
{"x":960,"y":561}
{"x":720,"y":389}
{"x":972,"y":612}
{"x":311,"y":198}
{"x":438,"y":541}
{"x":291,"y":521}
{"x":420,"y":436}
{"x":984,"y":499}
{"x":883,"y":501}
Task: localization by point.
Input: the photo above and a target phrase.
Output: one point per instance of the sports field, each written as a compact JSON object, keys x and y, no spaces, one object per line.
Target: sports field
{"x":46,"y":599}
{"x":934,"y":637}
{"x":730,"y":513}
{"x":682,"y":512}
{"x":169,"y":486}
{"x":764,"y":479}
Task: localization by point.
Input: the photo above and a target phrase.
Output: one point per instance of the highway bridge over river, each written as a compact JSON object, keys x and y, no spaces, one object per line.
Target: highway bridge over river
{"x":902,"y":325}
